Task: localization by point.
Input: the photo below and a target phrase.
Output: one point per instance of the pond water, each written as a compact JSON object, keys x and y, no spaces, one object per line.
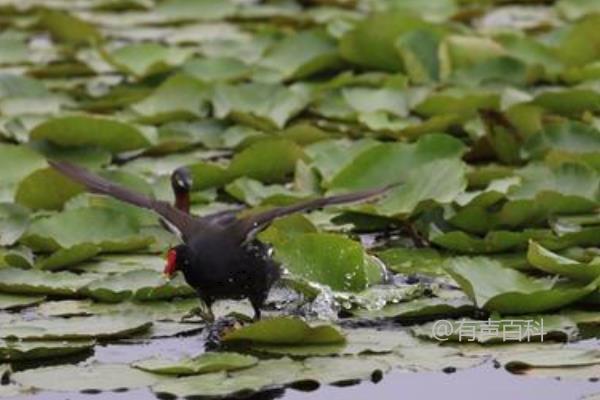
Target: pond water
{"x":485,"y":381}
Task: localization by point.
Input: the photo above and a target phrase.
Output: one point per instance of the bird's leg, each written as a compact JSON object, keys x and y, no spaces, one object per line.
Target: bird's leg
{"x":257,"y":303}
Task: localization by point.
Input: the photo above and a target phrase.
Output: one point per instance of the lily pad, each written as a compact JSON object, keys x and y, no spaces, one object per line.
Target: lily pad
{"x":285,"y":330}
{"x":112,"y":231}
{"x":13,"y":301}
{"x":77,"y":328}
{"x":496,"y":288}
{"x":145,"y":59}
{"x":553,"y":263}
{"x":73,"y":378}
{"x":17,"y":350}
{"x":34,"y":282}
{"x":140,"y":285}
{"x":179,"y":97}
{"x":202,"y":364}
{"x":326,"y":258}
{"x":83,"y":130}
{"x":14,"y":221}
{"x":260,"y":104}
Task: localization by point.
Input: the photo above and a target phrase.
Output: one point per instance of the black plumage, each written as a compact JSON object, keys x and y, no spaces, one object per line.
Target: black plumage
{"x":220,"y":256}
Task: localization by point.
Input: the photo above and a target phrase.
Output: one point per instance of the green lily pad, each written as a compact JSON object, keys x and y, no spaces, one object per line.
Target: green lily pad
{"x":553,"y":263}
{"x":302,"y":54}
{"x":16,"y":163}
{"x":409,"y":261}
{"x":503,"y":241}
{"x":372,"y":42}
{"x":112,"y":231}
{"x":46,"y":189}
{"x":202,"y":364}
{"x":216,"y":69}
{"x":271,"y":373}
{"x":447,"y":305}
{"x":558,"y":358}
{"x":69,"y":257}
{"x":140,"y":285}
{"x":78,"y":328}
{"x":269,"y":161}
{"x":434,"y":156}
{"x":260,"y":104}
{"x":285,"y":330}
{"x":13,"y":301}
{"x":143,"y":59}
{"x":358,"y":341}
{"x":179,"y":97}
{"x":34,"y":282}
{"x":496,"y":288}
{"x":571,"y":141}
{"x":186,"y":10}
{"x":67,"y":28}
{"x":326,"y":258}
{"x":83,"y":130}
{"x":17,"y":350}
{"x":95,"y":377}
{"x":14,"y":221}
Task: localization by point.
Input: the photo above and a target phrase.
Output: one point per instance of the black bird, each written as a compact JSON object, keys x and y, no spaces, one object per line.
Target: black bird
{"x":220,"y":256}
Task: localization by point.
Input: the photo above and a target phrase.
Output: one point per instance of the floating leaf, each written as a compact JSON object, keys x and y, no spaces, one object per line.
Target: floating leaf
{"x":260,"y":104}
{"x":13,"y":223}
{"x":553,"y":263}
{"x":78,"y":328}
{"x":95,"y":377}
{"x":141,"y":285}
{"x":202,"y":364}
{"x":16,"y":163}
{"x":563,"y":357}
{"x":186,"y":10}
{"x":67,"y":28}
{"x":12,"y":301}
{"x":326,"y":258}
{"x":144,"y":59}
{"x":285,"y":330}
{"x":19,"y":281}
{"x":179,"y":97}
{"x":269,"y":161}
{"x":372,"y":42}
{"x":17,"y":350}
{"x":77,"y":131}
{"x":46,"y":189}
{"x":496,"y":288}
{"x":112,"y":231}
{"x":302,"y":54}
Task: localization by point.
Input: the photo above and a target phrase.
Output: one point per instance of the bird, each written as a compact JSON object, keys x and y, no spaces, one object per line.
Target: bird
{"x":219,"y":254}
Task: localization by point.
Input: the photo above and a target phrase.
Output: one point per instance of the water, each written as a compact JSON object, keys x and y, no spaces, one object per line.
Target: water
{"x":483,"y":382}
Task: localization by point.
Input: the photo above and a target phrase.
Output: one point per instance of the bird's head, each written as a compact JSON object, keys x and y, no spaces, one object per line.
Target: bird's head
{"x":178,"y":259}
{"x":181,"y":183}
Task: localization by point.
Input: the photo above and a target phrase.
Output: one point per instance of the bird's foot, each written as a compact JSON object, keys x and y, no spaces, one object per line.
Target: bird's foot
{"x":205,"y":314}
{"x":219,"y":328}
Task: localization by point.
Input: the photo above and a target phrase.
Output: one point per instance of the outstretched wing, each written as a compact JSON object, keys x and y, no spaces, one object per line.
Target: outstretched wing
{"x":183,"y":222}
{"x":246,"y":228}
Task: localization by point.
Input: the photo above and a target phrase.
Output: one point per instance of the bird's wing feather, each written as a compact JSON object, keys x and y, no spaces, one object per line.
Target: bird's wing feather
{"x":246,"y":228}
{"x":183,"y":222}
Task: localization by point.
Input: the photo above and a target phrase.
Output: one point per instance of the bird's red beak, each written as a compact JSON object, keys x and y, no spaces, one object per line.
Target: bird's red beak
{"x":171,"y":266}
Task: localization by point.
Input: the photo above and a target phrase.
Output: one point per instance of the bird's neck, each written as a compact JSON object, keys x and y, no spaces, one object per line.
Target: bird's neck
{"x":182,"y":201}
